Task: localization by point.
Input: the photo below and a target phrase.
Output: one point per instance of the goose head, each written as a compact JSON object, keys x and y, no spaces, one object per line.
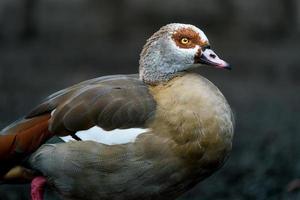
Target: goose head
{"x":173,"y":49}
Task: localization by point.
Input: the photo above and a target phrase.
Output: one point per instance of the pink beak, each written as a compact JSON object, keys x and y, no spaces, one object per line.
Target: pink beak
{"x":210,"y":58}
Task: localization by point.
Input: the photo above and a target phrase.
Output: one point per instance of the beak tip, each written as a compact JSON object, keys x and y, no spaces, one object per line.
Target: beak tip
{"x":228,"y":67}
{"x":225,"y":65}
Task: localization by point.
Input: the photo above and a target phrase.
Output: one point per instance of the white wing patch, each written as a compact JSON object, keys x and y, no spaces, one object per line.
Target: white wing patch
{"x":117,"y":136}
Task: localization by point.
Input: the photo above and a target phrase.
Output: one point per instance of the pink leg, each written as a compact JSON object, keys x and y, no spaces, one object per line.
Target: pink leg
{"x":37,"y":188}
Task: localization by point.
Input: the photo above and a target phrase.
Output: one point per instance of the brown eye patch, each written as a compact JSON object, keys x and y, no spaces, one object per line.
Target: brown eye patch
{"x":189,"y":34}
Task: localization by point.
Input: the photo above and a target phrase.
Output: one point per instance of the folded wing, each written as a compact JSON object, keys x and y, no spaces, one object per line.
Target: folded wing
{"x":110,"y":102}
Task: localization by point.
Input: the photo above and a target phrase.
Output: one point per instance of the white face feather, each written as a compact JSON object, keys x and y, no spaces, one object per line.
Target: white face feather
{"x":174,"y":54}
{"x":181,"y":56}
{"x":177,"y":26}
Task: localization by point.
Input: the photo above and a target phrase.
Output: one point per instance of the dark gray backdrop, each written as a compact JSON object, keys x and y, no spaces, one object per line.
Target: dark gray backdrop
{"x":46,"y":45}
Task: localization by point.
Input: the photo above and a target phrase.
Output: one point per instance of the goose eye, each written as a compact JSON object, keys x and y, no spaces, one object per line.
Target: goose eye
{"x":184,"y":41}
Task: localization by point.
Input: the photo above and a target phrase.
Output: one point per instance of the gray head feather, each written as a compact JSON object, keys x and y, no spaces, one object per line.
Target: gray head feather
{"x":161,"y":59}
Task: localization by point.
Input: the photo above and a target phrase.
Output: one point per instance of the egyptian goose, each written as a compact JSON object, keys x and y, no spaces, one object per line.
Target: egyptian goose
{"x":156,"y":134}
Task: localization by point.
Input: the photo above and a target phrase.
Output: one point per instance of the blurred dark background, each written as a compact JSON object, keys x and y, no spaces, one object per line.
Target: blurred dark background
{"x":46,"y":45}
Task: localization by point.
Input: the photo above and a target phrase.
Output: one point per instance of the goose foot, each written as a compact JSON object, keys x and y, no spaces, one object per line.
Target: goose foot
{"x":37,"y":188}
{"x":19,"y":174}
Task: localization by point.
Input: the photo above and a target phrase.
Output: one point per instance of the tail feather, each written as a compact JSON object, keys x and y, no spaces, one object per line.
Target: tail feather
{"x":23,"y":138}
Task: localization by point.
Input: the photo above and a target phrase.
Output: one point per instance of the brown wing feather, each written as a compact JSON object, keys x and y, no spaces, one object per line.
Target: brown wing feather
{"x":22,"y":139}
{"x":115,"y":102}
{"x":51,"y":102}
{"x":120,"y":101}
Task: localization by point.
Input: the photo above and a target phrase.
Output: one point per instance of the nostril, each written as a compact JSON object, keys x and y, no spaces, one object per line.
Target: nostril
{"x":212,"y":55}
